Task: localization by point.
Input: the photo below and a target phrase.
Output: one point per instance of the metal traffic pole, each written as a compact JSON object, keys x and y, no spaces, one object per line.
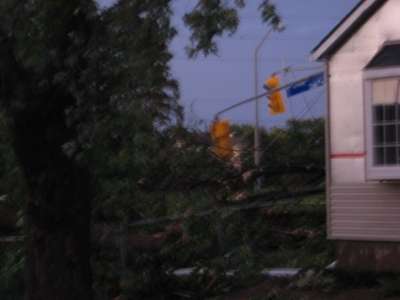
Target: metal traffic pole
{"x":257,"y":152}
{"x":262,"y":95}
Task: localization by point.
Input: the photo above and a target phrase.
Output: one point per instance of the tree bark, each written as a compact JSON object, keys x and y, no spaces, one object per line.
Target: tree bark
{"x":58,"y":205}
{"x":58,"y":240}
{"x":59,"y":195}
{"x":8,"y":220}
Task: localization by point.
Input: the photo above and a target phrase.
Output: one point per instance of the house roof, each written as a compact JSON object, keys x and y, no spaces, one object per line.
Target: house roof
{"x":346,"y":28}
{"x":388,"y":56}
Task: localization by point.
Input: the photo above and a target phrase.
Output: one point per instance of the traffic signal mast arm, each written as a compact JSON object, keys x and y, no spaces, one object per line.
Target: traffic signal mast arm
{"x":218,"y":114}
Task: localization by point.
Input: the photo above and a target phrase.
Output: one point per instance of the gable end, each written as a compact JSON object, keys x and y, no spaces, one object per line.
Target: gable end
{"x":349,"y":25}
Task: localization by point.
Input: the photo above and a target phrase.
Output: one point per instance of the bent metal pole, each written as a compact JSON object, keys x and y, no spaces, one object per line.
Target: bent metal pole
{"x":265,"y":94}
{"x":257,"y":154}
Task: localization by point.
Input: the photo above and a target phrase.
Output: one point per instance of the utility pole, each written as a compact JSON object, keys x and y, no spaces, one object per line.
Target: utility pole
{"x":257,"y":150}
{"x":266,"y":94}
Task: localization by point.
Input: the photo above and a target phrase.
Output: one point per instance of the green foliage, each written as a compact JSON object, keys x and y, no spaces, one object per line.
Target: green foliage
{"x":293,"y":157}
{"x":210,"y":19}
{"x":12,"y":186}
{"x":98,"y":85}
{"x":301,"y":143}
{"x":270,"y":15}
{"x":313,"y":279}
{"x":12,"y":261}
{"x":391,"y":286}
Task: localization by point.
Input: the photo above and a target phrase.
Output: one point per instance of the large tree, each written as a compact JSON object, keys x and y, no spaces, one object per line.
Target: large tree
{"x":65,"y":67}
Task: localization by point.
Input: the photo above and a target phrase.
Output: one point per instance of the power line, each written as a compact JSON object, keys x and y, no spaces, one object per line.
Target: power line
{"x":254,"y":38}
{"x":244,"y":37}
{"x":317,"y":18}
{"x":233,"y":60}
{"x":283,"y":198}
{"x":279,"y":134}
{"x":301,"y":115}
{"x":305,"y":99}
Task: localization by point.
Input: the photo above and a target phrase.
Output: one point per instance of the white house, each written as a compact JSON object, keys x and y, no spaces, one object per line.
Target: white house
{"x":362,"y":59}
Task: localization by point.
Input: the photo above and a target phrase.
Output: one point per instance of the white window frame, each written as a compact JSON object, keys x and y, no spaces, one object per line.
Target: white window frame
{"x":376,"y":173}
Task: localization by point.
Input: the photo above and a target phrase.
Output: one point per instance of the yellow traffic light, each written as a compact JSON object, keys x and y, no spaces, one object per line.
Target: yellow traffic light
{"x":276,"y":104}
{"x":221,"y":137}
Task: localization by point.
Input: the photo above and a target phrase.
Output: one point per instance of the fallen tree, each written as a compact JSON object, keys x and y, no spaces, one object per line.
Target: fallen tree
{"x":8,"y":219}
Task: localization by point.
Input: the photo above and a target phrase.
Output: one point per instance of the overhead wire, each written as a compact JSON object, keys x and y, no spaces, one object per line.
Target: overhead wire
{"x":252,"y":38}
{"x":279,"y":134}
{"x":301,"y":115}
{"x":310,"y":145}
{"x":284,"y":77}
{"x":232,"y":60}
{"x":303,"y":95}
{"x":306,"y":111}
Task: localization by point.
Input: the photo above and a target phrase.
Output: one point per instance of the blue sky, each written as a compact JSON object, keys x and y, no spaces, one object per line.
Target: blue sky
{"x":210,"y":84}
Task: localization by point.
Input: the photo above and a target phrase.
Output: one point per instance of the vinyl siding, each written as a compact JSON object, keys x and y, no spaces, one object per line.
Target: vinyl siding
{"x":358,"y":209}
{"x":369,"y":211}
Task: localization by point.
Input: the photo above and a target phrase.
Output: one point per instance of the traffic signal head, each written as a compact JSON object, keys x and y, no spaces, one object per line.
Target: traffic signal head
{"x":221,"y":137}
{"x":276,"y":103}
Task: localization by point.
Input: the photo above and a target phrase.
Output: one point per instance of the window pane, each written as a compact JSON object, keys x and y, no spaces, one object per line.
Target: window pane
{"x":378,"y":156}
{"x":378,"y":135}
{"x":378,"y":91}
{"x":390,"y":112}
{"x":398,"y":133}
{"x":390,"y":134}
{"x":384,"y":91}
{"x":386,"y":122}
{"x":378,"y":113}
{"x":390,"y":155}
{"x":398,"y":155}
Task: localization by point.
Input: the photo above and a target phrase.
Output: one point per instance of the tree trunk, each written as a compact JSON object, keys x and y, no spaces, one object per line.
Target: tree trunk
{"x":59,"y":194}
{"x":58,"y":205}
{"x":58,"y":244}
{"x":8,"y":220}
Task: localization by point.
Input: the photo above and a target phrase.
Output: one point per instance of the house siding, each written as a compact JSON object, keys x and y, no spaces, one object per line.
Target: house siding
{"x":369,"y":211}
{"x":358,"y":209}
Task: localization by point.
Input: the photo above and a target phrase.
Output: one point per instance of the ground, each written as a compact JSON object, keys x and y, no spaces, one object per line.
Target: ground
{"x":272,"y":289}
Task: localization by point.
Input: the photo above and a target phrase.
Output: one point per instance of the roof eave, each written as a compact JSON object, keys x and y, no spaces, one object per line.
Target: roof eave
{"x":345,"y":29}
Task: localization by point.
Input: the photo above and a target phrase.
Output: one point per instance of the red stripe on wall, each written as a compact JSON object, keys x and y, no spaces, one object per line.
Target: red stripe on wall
{"x":348,"y":155}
